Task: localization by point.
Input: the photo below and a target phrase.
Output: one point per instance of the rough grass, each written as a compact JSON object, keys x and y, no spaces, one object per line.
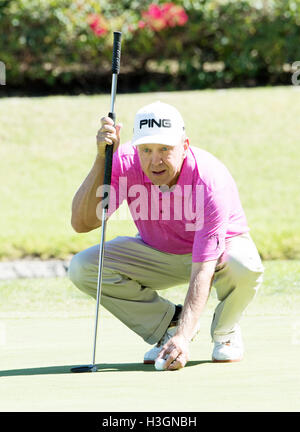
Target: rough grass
{"x":278,"y":295}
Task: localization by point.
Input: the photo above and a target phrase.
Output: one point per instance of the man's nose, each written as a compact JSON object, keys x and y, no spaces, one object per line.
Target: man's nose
{"x":156,"y":159}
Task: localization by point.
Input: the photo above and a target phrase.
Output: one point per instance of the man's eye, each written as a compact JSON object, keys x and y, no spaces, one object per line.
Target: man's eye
{"x":146,"y":150}
{"x":165,"y":149}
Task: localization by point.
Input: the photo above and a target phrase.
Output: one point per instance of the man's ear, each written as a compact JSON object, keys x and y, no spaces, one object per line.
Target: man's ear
{"x":186,"y":144}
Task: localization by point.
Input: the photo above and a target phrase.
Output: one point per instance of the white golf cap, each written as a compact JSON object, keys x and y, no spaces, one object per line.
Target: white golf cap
{"x":158,"y":123}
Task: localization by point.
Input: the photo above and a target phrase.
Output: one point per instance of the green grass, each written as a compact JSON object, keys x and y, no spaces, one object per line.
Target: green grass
{"x":46,"y":327}
{"x":48,"y":146}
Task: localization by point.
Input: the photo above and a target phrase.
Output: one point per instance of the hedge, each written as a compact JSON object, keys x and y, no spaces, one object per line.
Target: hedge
{"x":183,"y":44}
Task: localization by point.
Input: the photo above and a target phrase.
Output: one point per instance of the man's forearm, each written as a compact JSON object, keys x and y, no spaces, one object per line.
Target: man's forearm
{"x":85,"y":201}
{"x":194,"y":304}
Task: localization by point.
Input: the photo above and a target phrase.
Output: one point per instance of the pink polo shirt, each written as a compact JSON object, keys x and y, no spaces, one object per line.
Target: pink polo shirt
{"x":195,"y":216}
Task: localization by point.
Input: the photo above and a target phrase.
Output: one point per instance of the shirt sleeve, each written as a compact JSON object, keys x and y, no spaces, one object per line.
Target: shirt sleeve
{"x":209,"y":241}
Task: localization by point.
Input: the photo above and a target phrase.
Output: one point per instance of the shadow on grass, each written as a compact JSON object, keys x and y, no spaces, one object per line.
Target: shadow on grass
{"x":104,"y":367}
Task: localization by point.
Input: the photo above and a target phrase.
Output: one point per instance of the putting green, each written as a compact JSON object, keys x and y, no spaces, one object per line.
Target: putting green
{"x":38,"y":353}
{"x":47,"y":326}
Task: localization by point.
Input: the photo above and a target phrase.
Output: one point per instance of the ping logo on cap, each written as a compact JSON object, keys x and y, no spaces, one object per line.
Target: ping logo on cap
{"x":166,"y":123}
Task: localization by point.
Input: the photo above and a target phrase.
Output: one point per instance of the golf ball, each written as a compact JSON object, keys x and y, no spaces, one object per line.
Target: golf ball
{"x":159,"y":364}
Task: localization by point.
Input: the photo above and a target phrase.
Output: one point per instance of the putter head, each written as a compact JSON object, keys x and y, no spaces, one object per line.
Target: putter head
{"x":87,"y":368}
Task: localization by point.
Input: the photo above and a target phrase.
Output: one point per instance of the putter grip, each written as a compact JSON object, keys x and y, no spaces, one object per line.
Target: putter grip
{"x":109,"y":150}
{"x":116,"y":53}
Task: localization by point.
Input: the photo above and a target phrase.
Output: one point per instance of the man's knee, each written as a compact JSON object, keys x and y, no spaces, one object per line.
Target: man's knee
{"x":83,"y":272}
{"x":77,"y":269}
{"x":248,"y":277}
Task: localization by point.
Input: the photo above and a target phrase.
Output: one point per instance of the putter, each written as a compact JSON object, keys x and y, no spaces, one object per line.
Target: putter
{"x":107,"y":181}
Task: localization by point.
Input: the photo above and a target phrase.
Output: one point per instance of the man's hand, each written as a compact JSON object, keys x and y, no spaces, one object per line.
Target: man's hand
{"x":108,"y":134}
{"x":176,"y":351}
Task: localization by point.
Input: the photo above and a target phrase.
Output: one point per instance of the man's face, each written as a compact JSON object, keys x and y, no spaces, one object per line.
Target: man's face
{"x":162,"y":163}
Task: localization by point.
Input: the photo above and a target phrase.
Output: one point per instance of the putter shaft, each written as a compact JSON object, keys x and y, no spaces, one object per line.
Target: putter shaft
{"x":107,"y":179}
{"x":99,"y":282}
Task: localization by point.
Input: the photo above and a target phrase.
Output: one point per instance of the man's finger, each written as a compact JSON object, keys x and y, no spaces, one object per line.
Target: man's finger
{"x":177,"y":364}
{"x":118,"y":128}
{"x":111,"y":136}
{"x":164,"y":351}
{"x":108,"y":128}
{"x":106,"y":120}
{"x":171,"y":357}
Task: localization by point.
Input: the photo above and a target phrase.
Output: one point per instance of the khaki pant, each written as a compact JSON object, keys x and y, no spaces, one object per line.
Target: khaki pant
{"x":133,"y":272}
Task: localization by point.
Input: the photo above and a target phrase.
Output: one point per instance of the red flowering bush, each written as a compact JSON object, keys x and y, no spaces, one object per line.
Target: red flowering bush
{"x":166,"y":44}
{"x":156,"y":18}
{"x":98,"y":24}
{"x":160,"y":17}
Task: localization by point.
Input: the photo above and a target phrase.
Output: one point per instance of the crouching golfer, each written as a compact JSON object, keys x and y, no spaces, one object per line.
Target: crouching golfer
{"x":191,"y":229}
